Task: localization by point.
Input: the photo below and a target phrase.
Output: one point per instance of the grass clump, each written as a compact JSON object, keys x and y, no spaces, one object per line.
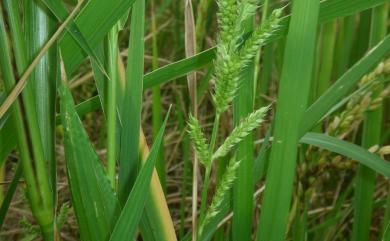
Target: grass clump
{"x":286,"y":106}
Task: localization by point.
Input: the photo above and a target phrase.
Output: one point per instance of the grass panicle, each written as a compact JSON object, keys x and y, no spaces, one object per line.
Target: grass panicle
{"x":232,"y":58}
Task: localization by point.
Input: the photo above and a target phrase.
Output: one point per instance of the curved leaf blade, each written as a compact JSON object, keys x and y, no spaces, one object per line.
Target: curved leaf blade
{"x":348,"y":149}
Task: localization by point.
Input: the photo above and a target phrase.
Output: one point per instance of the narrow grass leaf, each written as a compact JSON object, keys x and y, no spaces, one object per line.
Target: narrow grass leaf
{"x":7,"y":143}
{"x":10,"y":194}
{"x":132,"y":105}
{"x":125,"y":227}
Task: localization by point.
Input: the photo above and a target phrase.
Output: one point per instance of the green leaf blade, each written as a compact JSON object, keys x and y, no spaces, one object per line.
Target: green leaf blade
{"x":127,"y":223}
{"x":96,"y":205}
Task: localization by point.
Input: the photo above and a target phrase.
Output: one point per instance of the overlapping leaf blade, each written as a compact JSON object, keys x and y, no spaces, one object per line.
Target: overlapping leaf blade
{"x":94,"y":22}
{"x":127,"y":223}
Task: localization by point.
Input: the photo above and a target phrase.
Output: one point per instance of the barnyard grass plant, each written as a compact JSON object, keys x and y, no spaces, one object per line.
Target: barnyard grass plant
{"x":286,"y":106}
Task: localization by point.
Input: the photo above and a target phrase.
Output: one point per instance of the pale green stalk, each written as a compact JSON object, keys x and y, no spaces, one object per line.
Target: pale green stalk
{"x":112,"y":105}
{"x":206,"y":182}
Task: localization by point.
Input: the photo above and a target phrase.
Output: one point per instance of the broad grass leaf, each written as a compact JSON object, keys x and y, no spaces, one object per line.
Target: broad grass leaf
{"x":95,"y":203}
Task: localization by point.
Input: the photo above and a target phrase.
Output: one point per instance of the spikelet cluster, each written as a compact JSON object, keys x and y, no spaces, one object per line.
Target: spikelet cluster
{"x":28,"y":227}
{"x":62,"y":215}
{"x":223,"y":187}
{"x":247,"y":9}
{"x":227,"y":71}
{"x":199,"y":140}
{"x":245,"y":127}
{"x":226,"y":20}
{"x":260,"y":37}
{"x":232,"y":54}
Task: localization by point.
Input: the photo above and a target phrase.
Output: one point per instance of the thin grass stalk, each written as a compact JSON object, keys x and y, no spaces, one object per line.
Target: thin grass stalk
{"x":372,"y":129}
{"x":112,"y":105}
{"x":186,"y":180}
{"x":200,"y":27}
{"x":132,"y":105}
{"x":266,"y":55}
{"x":156,"y":103}
{"x":243,"y":186}
{"x":190,"y":49}
{"x":292,"y":101}
{"x":206,"y":181}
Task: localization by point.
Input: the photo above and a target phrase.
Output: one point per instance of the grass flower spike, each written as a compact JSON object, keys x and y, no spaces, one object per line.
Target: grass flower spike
{"x":199,"y":140}
{"x":243,"y":129}
{"x":223,"y":187}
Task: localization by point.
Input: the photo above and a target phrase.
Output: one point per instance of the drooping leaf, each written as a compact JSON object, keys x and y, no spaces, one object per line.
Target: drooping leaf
{"x":350,"y":150}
